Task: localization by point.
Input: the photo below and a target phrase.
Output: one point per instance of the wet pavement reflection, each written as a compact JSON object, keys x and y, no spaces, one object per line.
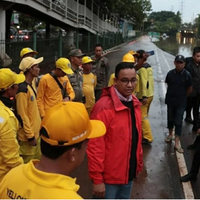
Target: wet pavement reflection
{"x":177,"y":45}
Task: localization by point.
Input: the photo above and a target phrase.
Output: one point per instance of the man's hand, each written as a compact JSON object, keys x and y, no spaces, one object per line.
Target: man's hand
{"x":99,"y":190}
{"x":32,"y":142}
{"x":66,"y":99}
{"x":144,"y":101}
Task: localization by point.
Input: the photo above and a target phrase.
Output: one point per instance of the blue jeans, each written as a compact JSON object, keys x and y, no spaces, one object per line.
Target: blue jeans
{"x":118,"y":191}
{"x":175,"y":118}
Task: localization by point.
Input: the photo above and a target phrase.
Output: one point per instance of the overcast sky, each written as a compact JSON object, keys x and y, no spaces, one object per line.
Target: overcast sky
{"x":190,"y":7}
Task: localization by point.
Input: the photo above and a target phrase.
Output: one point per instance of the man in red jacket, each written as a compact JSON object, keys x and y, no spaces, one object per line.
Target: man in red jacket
{"x":115,"y":159}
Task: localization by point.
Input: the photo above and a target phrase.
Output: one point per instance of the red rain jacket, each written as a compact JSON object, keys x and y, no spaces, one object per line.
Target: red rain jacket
{"x":109,"y":155}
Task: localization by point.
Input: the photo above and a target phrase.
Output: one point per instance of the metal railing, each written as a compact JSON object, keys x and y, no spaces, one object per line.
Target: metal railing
{"x":80,"y":14}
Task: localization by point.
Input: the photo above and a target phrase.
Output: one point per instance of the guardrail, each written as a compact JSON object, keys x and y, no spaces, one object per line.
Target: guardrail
{"x":80,"y":14}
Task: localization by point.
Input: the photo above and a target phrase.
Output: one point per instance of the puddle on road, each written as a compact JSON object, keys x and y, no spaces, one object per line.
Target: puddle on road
{"x":177,"y":45}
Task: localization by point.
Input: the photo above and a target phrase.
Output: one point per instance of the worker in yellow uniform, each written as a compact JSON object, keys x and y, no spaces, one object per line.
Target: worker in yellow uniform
{"x":89,"y":83}
{"x":9,"y":148}
{"x":55,"y":87}
{"x":128,"y":57}
{"x":28,"y":52}
{"x":145,"y":95}
{"x":27,"y":110}
{"x":63,"y":146}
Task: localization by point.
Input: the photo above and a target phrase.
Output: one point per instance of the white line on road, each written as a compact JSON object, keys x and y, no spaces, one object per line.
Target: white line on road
{"x":187,"y":188}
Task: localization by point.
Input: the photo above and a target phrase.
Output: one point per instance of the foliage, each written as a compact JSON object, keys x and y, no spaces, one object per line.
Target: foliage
{"x":134,"y":10}
{"x":165,"y":22}
{"x":196,"y":26}
{"x":28,"y":22}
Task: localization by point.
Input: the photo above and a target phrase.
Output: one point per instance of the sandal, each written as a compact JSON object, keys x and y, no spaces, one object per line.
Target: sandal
{"x":168,"y":139}
{"x":179,"y":149}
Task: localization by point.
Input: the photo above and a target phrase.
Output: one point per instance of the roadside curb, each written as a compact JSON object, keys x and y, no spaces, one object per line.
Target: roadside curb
{"x":118,"y":46}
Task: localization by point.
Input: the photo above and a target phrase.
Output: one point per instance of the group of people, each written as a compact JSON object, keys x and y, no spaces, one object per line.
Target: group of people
{"x":48,"y":127}
{"x":75,"y":109}
{"x":183,"y":95}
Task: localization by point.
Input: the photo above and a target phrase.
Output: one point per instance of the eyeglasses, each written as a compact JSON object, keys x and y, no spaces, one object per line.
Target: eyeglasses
{"x":126,"y":81}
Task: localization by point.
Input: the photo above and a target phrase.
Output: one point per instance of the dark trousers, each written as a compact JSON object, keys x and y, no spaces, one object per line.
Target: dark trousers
{"x":193,"y":103}
{"x":175,"y":118}
{"x":97,"y":94}
{"x":196,"y":158}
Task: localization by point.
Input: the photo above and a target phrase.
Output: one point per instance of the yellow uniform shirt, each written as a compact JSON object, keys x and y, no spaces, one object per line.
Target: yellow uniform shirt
{"x":27,"y":109}
{"x":111,"y":82}
{"x":143,"y":75}
{"x":9,"y":148}
{"x":49,"y":93}
{"x":89,"y":83}
{"x":150,"y":90}
{"x":26,"y":182}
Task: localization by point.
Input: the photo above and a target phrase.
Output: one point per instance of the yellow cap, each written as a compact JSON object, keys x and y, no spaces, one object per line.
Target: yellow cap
{"x":28,"y":62}
{"x":27,"y":50}
{"x":134,"y":53}
{"x":65,"y":65}
{"x":128,"y":58}
{"x":9,"y":78}
{"x":87,"y":59}
{"x":68,"y":123}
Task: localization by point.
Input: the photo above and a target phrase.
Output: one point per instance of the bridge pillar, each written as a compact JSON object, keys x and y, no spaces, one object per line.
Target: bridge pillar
{"x":2,"y":31}
{"x":8,"y":19}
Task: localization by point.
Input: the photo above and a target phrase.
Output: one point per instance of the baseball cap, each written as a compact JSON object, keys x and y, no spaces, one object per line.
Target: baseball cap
{"x":28,"y":62}
{"x":86,"y":59}
{"x":179,"y":58}
{"x":134,"y":53}
{"x":68,"y":123}
{"x":76,"y":53}
{"x":9,"y":78}
{"x":65,"y":65}
{"x":27,"y":50}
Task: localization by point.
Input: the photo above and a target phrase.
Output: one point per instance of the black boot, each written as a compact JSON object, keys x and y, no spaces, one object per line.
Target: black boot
{"x":188,"y":177}
{"x":194,"y":145}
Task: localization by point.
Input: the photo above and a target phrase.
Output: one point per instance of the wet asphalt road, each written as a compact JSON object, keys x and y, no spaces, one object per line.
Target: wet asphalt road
{"x":160,"y":176}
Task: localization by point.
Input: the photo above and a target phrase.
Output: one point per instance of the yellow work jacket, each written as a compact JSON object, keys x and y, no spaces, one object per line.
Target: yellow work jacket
{"x":143,"y":83}
{"x":9,"y":148}
{"x":49,"y":93}
{"x":150,"y":90}
{"x":27,"y":182}
{"x":27,"y":109}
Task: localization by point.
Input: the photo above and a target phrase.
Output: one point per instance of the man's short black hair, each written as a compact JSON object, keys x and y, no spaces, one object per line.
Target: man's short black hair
{"x":121,"y":66}
{"x":196,"y":50}
{"x":98,"y":45}
{"x":141,"y":52}
{"x":54,"y":152}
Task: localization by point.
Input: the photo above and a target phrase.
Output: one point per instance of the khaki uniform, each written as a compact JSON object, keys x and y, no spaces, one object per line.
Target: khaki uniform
{"x":101,"y":69}
{"x":76,"y":80}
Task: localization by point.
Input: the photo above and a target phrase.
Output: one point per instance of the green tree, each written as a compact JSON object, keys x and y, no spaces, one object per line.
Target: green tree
{"x":134,"y":10}
{"x":28,"y":22}
{"x":166,"y":21}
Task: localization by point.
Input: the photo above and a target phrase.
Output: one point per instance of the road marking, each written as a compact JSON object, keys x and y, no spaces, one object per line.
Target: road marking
{"x":187,"y":188}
